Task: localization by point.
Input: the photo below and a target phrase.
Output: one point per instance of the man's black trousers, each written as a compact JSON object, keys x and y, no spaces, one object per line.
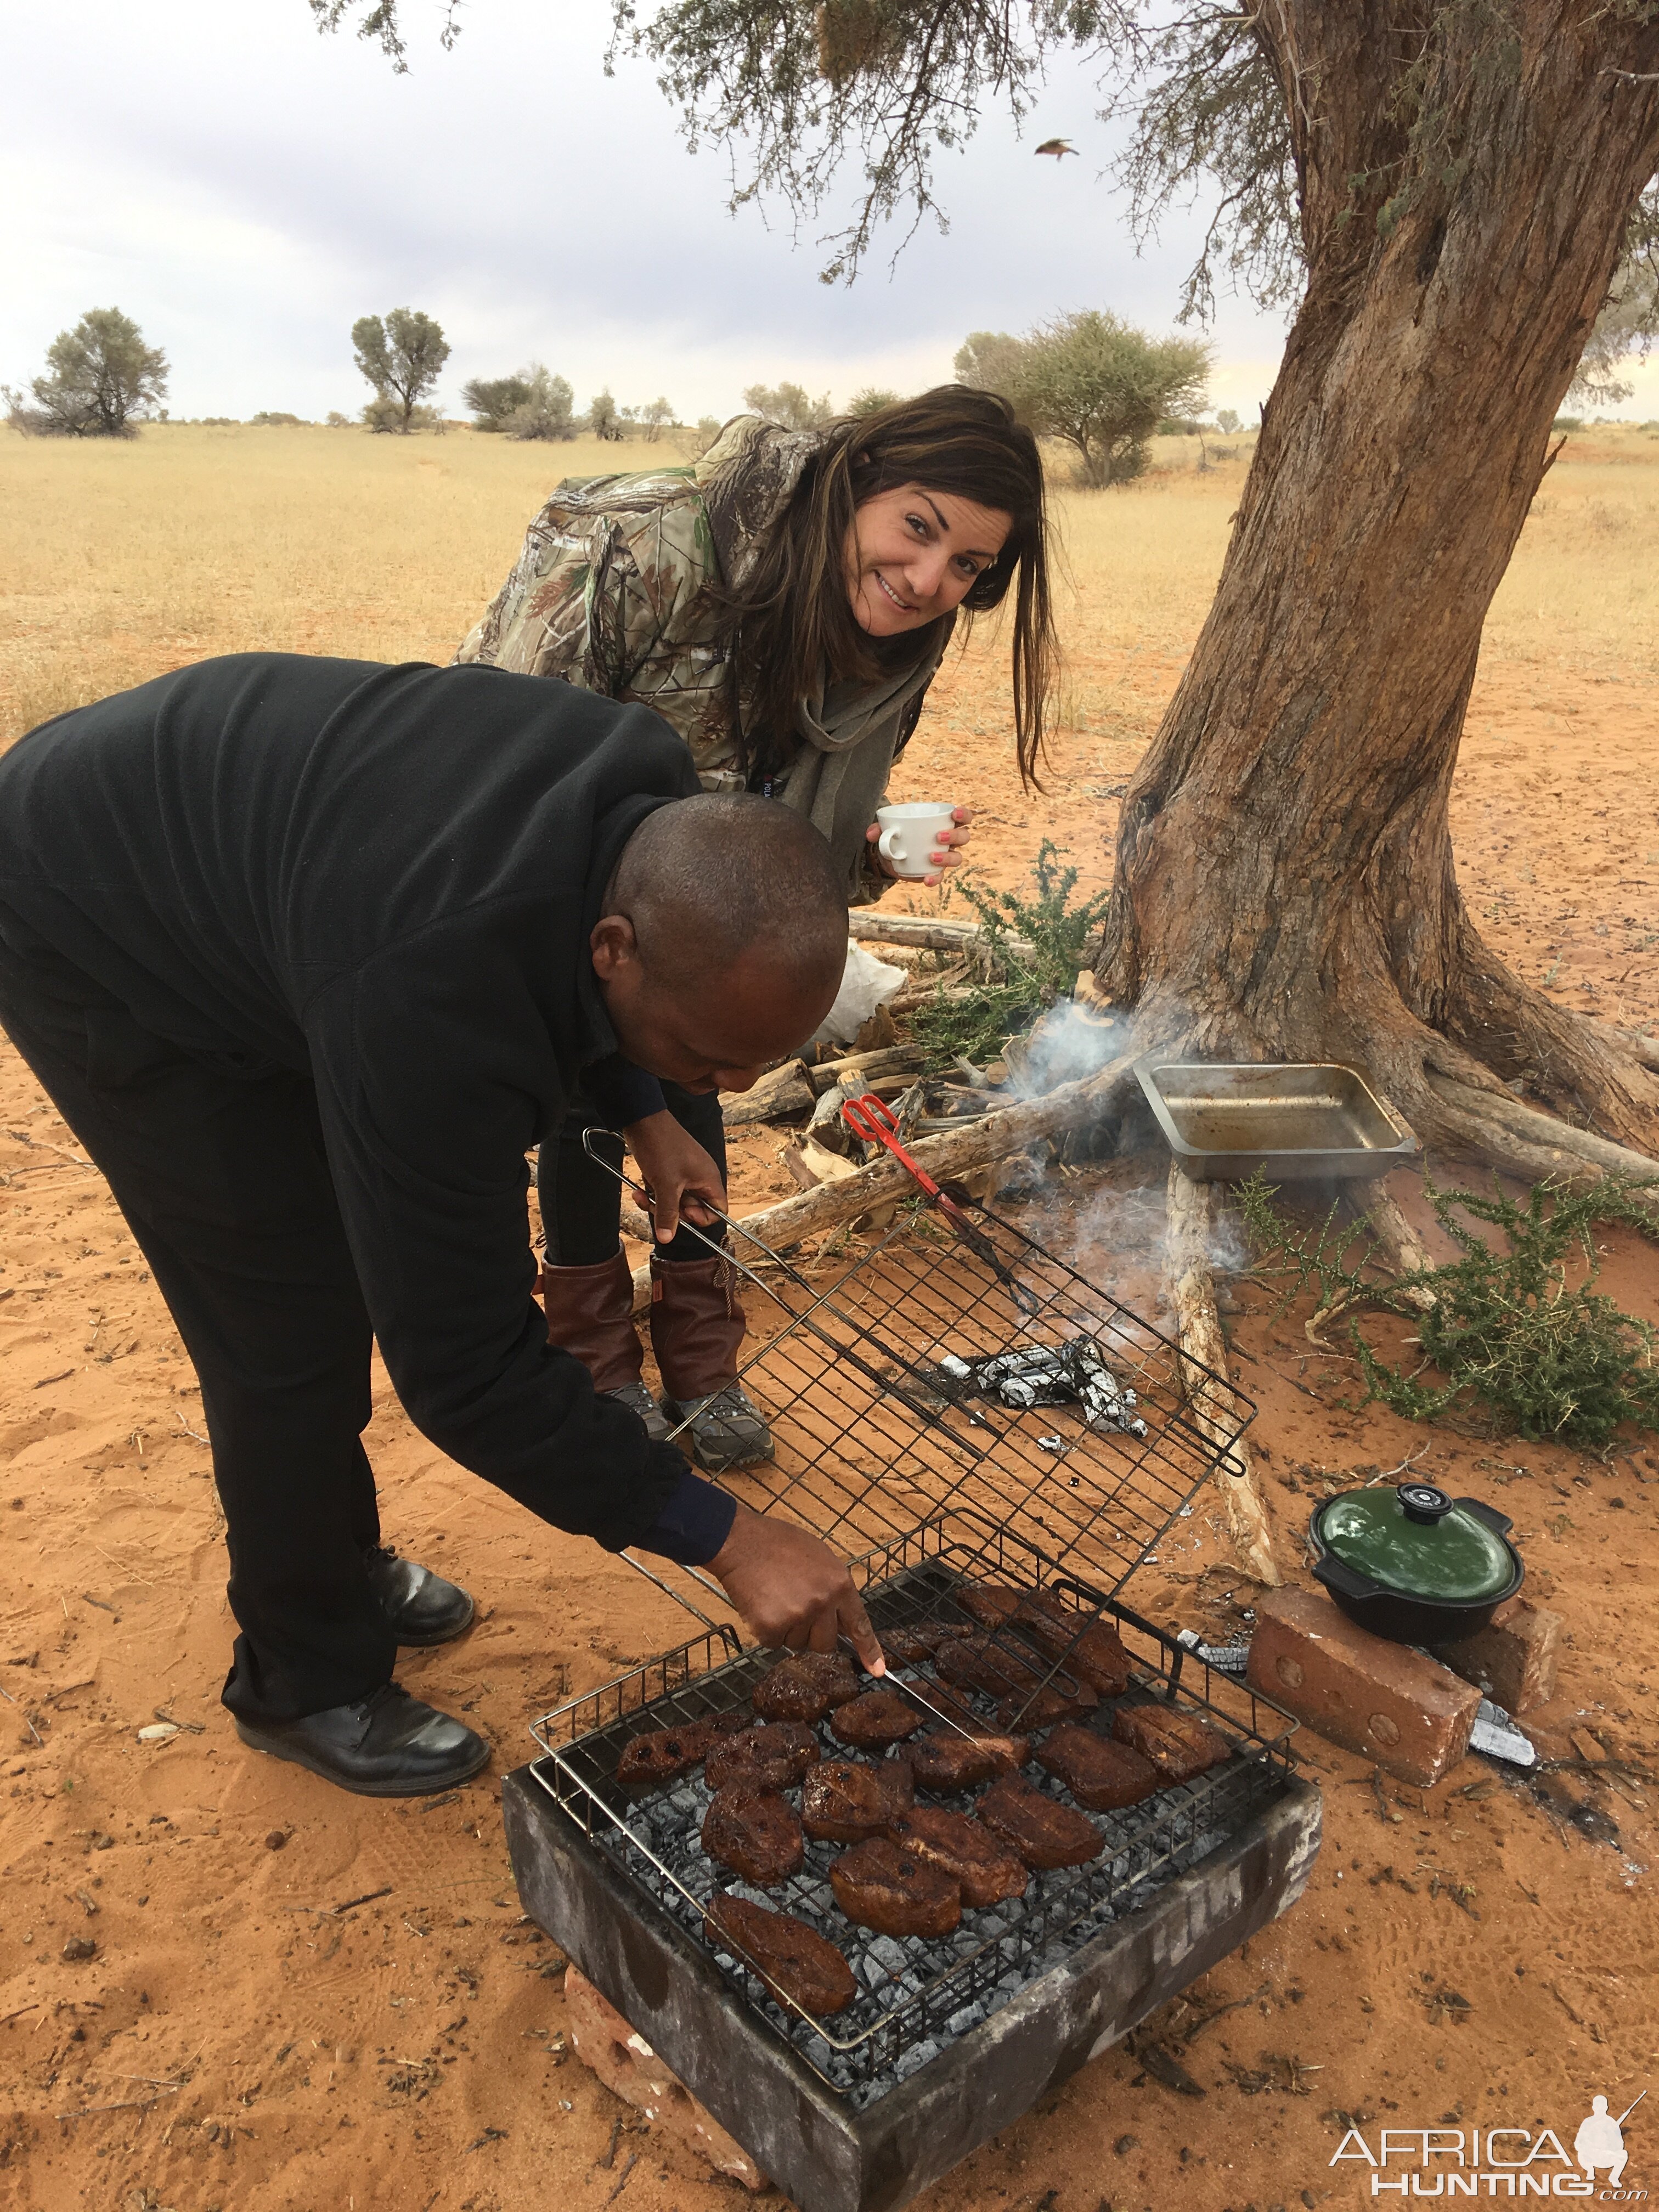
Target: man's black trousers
{"x":221,"y":1173}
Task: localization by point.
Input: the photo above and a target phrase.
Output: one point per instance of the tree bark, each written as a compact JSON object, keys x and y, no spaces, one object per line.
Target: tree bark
{"x":1286,"y":885}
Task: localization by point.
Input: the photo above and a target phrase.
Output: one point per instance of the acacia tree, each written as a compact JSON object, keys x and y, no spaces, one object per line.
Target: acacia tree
{"x":402,"y":357}
{"x":1098,"y":383}
{"x":99,"y":376}
{"x":1447,"y":189}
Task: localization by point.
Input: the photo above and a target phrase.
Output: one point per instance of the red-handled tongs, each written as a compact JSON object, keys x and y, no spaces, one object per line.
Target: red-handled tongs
{"x":872,"y":1119}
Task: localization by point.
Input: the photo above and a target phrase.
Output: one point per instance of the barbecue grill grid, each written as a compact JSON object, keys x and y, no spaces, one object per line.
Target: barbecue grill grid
{"x":871,"y":1436}
{"x":913,"y":1579}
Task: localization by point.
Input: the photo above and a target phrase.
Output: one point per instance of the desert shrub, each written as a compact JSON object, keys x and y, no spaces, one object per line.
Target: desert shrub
{"x":336,"y":421}
{"x":1568,"y":422}
{"x":872,"y":400}
{"x":602,"y":420}
{"x":1506,"y":1330}
{"x":275,"y":419}
{"x":388,"y":417}
{"x":787,"y":404}
{"x":547,"y":409}
{"x":1016,"y":986}
{"x":491,"y":399}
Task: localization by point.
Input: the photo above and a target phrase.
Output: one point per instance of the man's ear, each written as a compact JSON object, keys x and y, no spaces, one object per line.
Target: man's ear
{"x":613,"y":946}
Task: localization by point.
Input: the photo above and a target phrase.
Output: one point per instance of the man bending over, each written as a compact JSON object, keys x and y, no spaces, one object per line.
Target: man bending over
{"x":309,"y":953}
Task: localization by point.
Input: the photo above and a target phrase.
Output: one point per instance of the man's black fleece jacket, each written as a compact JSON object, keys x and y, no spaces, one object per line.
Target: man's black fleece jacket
{"x":385,"y":879}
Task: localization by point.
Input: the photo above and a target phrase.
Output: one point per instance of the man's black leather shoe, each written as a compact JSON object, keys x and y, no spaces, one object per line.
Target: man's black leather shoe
{"x":422,"y":1607}
{"x":387,"y":1745}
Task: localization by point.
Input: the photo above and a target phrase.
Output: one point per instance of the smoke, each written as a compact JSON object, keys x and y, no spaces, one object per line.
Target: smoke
{"x":1070,"y":1044}
{"x":1116,"y":1232}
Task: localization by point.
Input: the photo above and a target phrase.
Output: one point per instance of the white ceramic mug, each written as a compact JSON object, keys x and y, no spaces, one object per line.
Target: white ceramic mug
{"x":909,"y":835}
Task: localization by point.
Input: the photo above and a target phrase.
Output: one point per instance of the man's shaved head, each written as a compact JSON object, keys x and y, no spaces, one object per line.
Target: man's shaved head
{"x":722,"y":938}
{"x":705,"y":880}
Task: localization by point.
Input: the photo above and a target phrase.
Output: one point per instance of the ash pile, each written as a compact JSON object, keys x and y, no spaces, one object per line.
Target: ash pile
{"x":1069,"y":1374}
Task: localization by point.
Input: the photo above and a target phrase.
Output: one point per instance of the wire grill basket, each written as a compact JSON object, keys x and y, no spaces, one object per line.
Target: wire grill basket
{"x":869,"y":1376}
{"x":916,"y":1996}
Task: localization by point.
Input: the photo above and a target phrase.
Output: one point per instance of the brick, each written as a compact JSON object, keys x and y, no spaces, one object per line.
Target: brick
{"x":1513,"y":1659}
{"x":1383,"y":1700}
{"x":628,"y":2067}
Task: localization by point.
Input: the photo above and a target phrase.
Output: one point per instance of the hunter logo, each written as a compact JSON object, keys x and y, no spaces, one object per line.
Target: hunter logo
{"x":1498,"y":2161}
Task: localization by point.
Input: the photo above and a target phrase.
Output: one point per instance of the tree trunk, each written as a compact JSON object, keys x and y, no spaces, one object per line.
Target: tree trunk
{"x":1285,"y":884}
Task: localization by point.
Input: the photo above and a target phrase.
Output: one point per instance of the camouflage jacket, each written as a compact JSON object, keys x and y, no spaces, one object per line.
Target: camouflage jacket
{"x":610,"y":592}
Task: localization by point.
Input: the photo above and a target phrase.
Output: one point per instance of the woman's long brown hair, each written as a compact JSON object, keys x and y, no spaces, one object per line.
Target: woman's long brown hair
{"x":790,"y":623}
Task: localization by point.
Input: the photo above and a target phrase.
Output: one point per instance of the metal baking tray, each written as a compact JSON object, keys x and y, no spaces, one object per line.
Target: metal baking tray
{"x":1306,"y":1122}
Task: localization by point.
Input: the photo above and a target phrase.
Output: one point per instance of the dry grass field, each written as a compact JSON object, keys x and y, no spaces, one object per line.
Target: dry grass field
{"x":118,"y":561}
{"x":300,"y":2002}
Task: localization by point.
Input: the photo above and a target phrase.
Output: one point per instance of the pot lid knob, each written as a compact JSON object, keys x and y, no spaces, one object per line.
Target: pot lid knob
{"x":1424,"y":1503}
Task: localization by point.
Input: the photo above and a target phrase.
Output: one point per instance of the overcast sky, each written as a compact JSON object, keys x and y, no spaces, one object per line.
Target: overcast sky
{"x":246,"y":189}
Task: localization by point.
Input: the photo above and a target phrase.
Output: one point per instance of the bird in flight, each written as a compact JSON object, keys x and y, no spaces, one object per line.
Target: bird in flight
{"x":1057,"y":147}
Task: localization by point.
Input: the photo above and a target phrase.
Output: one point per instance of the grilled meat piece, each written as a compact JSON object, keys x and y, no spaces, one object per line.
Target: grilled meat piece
{"x":845,"y":1800}
{"x":1099,"y":1773}
{"x":915,"y":1645}
{"x":908,"y":1647}
{"x":755,"y":1834}
{"x":791,"y":1958}
{"x":996,"y":1666}
{"x":1097,"y":1658}
{"x":994,"y":1605}
{"x":805,"y":1686}
{"x":1024,"y":1711}
{"x":772,"y":1756}
{"x":1044,"y":1833}
{"x":1178,"y":1744}
{"x":662,"y":1755}
{"x":880,"y":1887}
{"x":960,"y":1847}
{"x":943,"y":1762}
{"x":879,"y":1718}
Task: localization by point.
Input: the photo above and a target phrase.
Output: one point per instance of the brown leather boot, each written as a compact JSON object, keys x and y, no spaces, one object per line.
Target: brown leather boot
{"x":590,"y":1312}
{"x":696,"y":1333}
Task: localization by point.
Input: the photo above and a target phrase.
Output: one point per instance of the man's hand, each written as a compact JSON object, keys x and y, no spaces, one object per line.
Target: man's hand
{"x":791,"y":1589}
{"x":677,"y":1172}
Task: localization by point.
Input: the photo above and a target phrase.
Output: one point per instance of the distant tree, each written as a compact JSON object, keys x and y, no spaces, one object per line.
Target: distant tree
{"x":602,"y":420}
{"x":1624,"y":328}
{"x":703,"y":435}
{"x":491,"y":400}
{"x":336,"y":421}
{"x":787,"y":404}
{"x":402,"y":357}
{"x":275,"y":419}
{"x":654,"y":417}
{"x":99,"y":376}
{"x":547,"y":410}
{"x":1227,"y":420}
{"x":871,"y":401}
{"x":991,"y":361}
{"x":1102,"y":387}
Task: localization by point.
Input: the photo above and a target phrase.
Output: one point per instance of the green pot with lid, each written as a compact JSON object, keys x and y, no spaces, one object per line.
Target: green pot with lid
{"x":1413,"y":1564}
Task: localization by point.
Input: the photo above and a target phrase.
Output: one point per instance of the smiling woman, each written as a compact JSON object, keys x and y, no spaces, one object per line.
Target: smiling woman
{"x":784,"y":603}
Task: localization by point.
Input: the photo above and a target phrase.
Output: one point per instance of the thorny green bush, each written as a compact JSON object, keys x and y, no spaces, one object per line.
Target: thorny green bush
{"x":1505,"y":1329}
{"x":975,"y":1025}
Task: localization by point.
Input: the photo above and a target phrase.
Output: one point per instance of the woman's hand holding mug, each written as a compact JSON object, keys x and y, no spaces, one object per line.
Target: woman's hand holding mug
{"x":918,"y":843}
